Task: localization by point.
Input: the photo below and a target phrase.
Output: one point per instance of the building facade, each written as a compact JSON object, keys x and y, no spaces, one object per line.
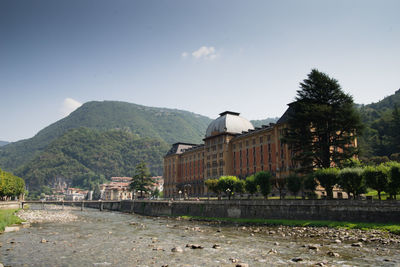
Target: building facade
{"x":117,"y":189}
{"x":232,"y":146}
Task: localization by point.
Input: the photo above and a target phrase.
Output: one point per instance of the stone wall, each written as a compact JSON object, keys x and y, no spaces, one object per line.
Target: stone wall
{"x":9,"y":205}
{"x":336,"y":210}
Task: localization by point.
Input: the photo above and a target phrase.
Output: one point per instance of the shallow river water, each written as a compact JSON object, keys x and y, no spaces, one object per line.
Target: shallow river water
{"x":117,"y":239}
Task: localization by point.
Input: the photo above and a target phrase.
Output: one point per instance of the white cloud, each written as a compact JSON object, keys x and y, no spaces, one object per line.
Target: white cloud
{"x":206,"y":52}
{"x":185,"y":54}
{"x":69,"y":105}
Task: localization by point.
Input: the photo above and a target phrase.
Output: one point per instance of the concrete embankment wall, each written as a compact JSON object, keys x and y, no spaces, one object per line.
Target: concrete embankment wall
{"x":337,"y":210}
{"x":9,"y":205}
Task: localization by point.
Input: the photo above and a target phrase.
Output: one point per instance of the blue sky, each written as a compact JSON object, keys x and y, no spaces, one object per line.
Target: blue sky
{"x":201,"y":56}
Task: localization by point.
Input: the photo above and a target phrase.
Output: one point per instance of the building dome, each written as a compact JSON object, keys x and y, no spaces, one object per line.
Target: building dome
{"x":228,"y":122}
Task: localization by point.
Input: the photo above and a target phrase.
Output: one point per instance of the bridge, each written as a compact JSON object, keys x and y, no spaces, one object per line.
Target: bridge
{"x":82,"y":203}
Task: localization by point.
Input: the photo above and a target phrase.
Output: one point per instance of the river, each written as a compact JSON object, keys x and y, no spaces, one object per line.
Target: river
{"x":118,"y":239}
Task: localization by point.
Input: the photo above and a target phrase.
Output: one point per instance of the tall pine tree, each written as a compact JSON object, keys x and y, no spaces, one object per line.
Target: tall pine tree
{"x":322,"y":124}
{"x":141,"y":179}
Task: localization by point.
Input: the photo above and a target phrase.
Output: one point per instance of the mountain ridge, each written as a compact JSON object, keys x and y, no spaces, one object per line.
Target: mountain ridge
{"x":170,"y":125}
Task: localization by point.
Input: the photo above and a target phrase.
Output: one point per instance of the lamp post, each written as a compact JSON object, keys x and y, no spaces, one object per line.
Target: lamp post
{"x":228,"y":192}
{"x":180,"y":193}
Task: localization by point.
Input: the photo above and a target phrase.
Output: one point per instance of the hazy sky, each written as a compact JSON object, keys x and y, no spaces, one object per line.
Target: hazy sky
{"x":201,"y":56}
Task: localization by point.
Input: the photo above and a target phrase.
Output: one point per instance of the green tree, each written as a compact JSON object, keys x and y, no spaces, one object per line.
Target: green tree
{"x":322,"y":123}
{"x":228,"y":185}
{"x":212,"y":186}
{"x":156,"y":193}
{"x":263,"y":180}
{"x":141,"y":179}
{"x":294,"y":184}
{"x":395,"y":129}
{"x":393,"y":187}
{"x":96,"y":192}
{"x":310,"y":185}
{"x":251,"y":185}
{"x":377,"y":178}
{"x":352,"y":181}
{"x":327,"y":178}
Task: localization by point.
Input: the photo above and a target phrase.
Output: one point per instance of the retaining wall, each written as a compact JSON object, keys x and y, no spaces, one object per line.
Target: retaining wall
{"x":336,"y":210}
{"x":9,"y":205}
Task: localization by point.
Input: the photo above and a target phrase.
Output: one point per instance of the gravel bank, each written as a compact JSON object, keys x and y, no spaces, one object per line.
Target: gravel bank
{"x":40,"y":216}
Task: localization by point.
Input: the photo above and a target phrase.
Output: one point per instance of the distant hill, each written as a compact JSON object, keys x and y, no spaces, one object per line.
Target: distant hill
{"x":259,"y":123}
{"x":3,"y":143}
{"x":168,"y":125}
{"x":82,"y":157}
{"x":377,"y":139}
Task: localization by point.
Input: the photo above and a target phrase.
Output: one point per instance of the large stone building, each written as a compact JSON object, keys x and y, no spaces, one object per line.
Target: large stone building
{"x":232,"y":146}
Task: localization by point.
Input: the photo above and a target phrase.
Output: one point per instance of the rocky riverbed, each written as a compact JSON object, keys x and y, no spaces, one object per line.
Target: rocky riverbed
{"x":49,"y":215}
{"x":115,"y":239}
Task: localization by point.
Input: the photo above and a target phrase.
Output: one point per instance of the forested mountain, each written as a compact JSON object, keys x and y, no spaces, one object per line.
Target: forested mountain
{"x":3,"y":143}
{"x":168,"y":125}
{"x":381,"y":137}
{"x":83,"y":157}
{"x":259,"y":123}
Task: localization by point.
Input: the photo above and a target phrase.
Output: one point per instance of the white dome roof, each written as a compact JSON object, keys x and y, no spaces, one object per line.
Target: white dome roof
{"x":228,"y":122}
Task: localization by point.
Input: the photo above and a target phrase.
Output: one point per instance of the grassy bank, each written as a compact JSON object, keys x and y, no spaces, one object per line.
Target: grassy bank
{"x":8,"y":217}
{"x":392,"y":228}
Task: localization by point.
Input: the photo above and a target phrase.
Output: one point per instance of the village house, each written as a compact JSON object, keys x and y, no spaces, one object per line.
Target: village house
{"x":117,"y":189}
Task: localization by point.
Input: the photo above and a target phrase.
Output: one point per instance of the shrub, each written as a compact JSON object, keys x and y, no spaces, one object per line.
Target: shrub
{"x":393,"y":187}
{"x":294,"y":184}
{"x":352,"y":181}
{"x":263,"y":181}
{"x":327,"y":178}
{"x":377,"y":178}
{"x":251,"y":185}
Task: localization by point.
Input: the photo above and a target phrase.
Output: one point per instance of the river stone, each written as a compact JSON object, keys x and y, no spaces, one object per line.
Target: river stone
{"x":297,"y":259}
{"x":9,"y":229}
{"x":242,"y":265}
{"x":272,"y":251}
{"x":313,"y":247}
{"x":177,"y":249}
{"x":43,"y":240}
{"x":216,"y":246}
{"x":194,"y":246}
{"x":1,"y":265}
{"x":333,"y":254}
{"x":358,"y":244}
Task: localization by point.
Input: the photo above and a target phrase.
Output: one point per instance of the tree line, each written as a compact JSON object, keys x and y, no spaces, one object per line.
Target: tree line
{"x":10,"y":185}
{"x":354,"y":180}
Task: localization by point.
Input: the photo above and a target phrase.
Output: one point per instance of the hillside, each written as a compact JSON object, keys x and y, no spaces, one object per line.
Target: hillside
{"x":381,"y":133}
{"x":259,"y":123}
{"x":168,"y":125}
{"x":3,"y":143}
{"x":82,"y":157}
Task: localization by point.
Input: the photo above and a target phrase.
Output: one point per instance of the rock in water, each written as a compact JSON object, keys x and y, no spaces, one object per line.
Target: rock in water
{"x":177,"y":249}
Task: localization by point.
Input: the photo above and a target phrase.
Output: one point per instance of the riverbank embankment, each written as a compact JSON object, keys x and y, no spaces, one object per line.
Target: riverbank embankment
{"x":328,"y":210}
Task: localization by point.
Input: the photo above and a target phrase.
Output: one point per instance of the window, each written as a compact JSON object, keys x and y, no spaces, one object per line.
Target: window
{"x":254,"y":141}
{"x":261,"y":139}
{"x":247,"y":142}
